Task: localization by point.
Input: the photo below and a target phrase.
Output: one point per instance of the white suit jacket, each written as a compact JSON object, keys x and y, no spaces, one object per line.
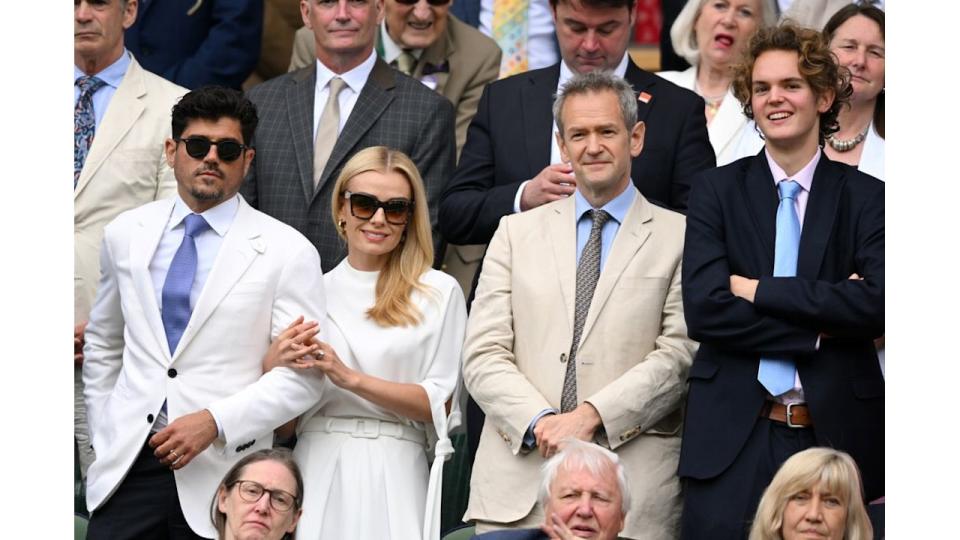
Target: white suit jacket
{"x":124,"y":169}
{"x":724,"y":130}
{"x":265,"y":275}
{"x":631,"y":365}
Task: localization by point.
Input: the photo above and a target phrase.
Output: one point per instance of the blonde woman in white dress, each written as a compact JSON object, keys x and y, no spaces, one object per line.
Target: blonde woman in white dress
{"x":712,"y":35}
{"x":390,"y":352}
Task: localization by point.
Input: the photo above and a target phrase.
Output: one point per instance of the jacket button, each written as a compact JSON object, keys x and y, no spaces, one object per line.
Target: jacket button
{"x":150,"y":419}
{"x":172,"y":373}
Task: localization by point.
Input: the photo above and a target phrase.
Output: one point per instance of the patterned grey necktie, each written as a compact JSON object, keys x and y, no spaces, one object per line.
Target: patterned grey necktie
{"x":588,"y":271}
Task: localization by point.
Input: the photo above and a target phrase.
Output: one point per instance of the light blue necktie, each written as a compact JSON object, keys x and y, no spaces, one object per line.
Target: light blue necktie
{"x":175,"y":310}
{"x":777,"y":374}
{"x":84,"y":122}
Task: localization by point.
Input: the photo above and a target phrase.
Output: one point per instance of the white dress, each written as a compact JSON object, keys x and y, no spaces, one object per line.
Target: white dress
{"x":377,"y":488}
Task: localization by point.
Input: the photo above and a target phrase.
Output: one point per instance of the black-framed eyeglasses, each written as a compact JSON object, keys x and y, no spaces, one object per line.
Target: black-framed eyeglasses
{"x":431,"y":2}
{"x":251,"y":491}
{"x":199,"y":147}
{"x":363,"y":206}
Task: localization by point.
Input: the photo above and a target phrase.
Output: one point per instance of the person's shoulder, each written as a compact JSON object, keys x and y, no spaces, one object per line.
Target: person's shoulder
{"x":476,"y":43}
{"x":270,"y":87}
{"x":663,"y":88}
{"x":856,"y":180}
{"x":441,"y":281}
{"x":275,"y":230}
{"x":126,"y":220}
{"x":155,"y":85}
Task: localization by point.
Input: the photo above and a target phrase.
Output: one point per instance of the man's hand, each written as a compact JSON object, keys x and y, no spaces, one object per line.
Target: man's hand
{"x":556,"y":529}
{"x":178,"y":443}
{"x":742,"y":287}
{"x":78,"y":343}
{"x":554,"y":182}
{"x":553,"y":429}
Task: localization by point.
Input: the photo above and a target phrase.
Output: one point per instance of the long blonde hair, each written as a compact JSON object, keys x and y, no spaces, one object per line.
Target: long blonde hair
{"x":414,"y":256}
{"x":804,"y":470}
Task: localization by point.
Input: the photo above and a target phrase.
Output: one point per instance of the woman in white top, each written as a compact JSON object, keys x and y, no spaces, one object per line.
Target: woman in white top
{"x":712,"y":35}
{"x":391,"y":359}
{"x":856,"y":36}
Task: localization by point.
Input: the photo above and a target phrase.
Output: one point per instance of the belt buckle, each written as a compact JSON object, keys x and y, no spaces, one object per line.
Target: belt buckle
{"x":367,"y":428}
{"x":790,"y":416}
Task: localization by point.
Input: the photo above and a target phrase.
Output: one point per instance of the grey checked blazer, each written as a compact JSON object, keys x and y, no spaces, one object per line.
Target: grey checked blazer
{"x":392,"y":110}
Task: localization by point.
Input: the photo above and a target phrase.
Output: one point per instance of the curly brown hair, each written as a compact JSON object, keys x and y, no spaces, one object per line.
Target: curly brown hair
{"x":817,"y":65}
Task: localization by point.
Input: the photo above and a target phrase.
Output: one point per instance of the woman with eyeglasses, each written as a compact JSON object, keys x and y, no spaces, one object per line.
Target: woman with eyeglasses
{"x":259,"y":498}
{"x":391,"y":359}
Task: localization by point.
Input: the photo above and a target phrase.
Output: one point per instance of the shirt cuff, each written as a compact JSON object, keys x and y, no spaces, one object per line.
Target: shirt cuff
{"x":529,"y":439}
{"x":516,"y":202}
{"x":217,"y":422}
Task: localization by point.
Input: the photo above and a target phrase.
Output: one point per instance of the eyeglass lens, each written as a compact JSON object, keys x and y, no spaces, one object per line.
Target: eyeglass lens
{"x":227,"y":150}
{"x":251,"y":491}
{"x":364,"y":206}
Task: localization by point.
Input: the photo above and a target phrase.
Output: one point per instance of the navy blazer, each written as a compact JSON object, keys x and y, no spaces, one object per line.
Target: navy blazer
{"x":510,"y":138}
{"x":467,"y":11}
{"x":196,"y":43}
{"x":731,"y":229}
{"x":512,"y":534}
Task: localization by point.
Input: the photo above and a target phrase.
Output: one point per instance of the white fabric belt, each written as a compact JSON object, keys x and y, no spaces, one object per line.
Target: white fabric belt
{"x":365,"y":428}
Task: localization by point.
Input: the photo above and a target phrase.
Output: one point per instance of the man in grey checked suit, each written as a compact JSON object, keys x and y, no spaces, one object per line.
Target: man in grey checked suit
{"x":376,"y":106}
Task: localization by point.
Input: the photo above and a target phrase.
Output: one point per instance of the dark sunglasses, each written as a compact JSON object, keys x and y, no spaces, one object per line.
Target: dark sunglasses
{"x":199,"y":147}
{"x":363,"y":206}
{"x":431,"y":2}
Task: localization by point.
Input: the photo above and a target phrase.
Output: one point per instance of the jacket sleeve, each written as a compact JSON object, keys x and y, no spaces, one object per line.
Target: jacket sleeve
{"x":490,"y":372}
{"x":472,"y":204}
{"x":847,"y":308}
{"x":713,"y":314}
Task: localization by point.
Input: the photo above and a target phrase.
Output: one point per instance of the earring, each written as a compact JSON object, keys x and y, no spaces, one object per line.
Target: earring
{"x":403,"y":237}
{"x":342,"y":224}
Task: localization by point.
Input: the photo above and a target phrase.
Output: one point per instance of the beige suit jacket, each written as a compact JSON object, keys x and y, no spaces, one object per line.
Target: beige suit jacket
{"x":124,"y":169}
{"x":631,"y":365}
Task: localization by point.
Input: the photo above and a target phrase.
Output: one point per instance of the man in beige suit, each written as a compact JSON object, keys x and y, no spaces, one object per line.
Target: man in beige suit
{"x":577,"y":329}
{"x":449,"y":56}
{"x":124,"y":166}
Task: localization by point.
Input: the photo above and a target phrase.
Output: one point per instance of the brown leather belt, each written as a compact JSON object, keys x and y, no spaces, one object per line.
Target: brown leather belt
{"x":795,"y":415}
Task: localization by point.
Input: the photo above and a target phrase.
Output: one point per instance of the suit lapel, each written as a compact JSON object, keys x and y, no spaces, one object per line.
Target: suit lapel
{"x":818,"y":219}
{"x":561,"y":234}
{"x":630,"y":238}
{"x":299,"y":97}
{"x":645,"y":86}
{"x":143,"y":244}
{"x":124,"y":110}
{"x":240,"y":247}
{"x":537,"y":119}
{"x":762,"y":200}
{"x":371,"y":103}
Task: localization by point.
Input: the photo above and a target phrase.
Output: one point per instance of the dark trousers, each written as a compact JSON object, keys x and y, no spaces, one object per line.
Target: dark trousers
{"x":722,"y":508}
{"x":145,"y":506}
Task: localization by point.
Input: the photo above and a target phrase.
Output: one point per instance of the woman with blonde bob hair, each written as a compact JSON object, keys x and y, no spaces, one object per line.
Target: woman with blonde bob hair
{"x":816,"y":491}
{"x":389,"y":350}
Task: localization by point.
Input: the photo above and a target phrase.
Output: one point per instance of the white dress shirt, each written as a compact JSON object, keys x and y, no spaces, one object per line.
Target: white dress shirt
{"x":355,"y":79}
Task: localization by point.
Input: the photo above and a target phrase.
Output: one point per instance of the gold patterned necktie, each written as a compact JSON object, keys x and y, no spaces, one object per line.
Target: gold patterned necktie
{"x":327,"y":130}
{"x":510,"y":33}
{"x":588,"y":272}
{"x":406,"y":62}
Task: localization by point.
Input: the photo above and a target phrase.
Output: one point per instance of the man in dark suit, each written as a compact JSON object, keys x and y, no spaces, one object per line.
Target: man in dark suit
{"x":511,"y":161}
{"x":304,"y":138}
{"x":785,"y":296}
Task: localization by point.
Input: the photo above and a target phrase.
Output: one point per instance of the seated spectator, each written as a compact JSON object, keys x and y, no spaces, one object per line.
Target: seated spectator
{"x":712,"y":36}
{"x":584,"y":494}
{"x":818,"y":493}
{"x":244,"y":512}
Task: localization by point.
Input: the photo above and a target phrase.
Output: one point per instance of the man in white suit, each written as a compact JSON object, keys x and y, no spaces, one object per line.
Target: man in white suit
{"x":192,"y":291}
{"x":577,"y":329}
{"x":122,"y":164}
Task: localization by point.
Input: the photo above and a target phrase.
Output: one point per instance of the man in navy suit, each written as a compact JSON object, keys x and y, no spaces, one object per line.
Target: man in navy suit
{"x":786,"y":358}
{"x":584,"y":494}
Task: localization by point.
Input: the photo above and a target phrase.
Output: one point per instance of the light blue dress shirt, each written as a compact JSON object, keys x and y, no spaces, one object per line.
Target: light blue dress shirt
{"x":112,"y":75}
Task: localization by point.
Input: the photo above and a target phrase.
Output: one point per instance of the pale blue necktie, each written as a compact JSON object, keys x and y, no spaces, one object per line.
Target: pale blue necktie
{"x":84,"y":122}
{"x":176,"y":310}
{"x":777,"y":374}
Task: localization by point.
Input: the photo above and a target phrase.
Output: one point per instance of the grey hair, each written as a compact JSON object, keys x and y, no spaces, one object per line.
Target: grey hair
{"x":683,"y":35}
{"x":598,"y":81}
{"x":579,"y":455}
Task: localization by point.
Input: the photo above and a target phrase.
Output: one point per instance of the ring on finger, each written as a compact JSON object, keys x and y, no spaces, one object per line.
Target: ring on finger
{"x":176,"y":456}
{"x":321,"y":354}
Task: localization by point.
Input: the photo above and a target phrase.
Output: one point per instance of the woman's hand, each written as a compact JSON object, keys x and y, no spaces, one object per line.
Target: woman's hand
{"x":289,"y":348}
{"x":326,"y":361}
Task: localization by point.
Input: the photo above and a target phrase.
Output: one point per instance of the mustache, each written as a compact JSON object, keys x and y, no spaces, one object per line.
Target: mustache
{"x":209,"y":169}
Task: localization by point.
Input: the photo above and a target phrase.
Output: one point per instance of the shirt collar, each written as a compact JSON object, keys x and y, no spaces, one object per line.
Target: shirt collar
{"x":566,"y":73}
{"x":355,"y":78}
{"x":804,"y":176}
{"x":220,"y":217}
{"x":617,"y":208}
{"x":112,"y":74}
{"x":391,"y":49}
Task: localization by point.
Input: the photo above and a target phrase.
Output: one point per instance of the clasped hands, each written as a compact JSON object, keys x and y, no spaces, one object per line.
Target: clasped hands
{"x":298,"y":348}
{"x":553,"y":429}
